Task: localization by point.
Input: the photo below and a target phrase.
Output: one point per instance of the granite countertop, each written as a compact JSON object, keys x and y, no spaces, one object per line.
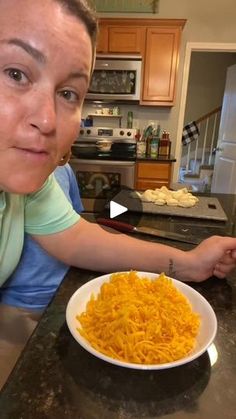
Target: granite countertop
{"x":159,"y":159}
{"x":56,"y":378}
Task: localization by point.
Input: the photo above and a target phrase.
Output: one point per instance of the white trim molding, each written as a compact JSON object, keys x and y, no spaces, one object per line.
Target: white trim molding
{"x":190,"y":47}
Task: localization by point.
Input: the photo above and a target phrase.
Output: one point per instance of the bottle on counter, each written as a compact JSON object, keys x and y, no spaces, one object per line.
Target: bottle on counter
{"x":155,"y":142}
{"x":141,"y":144}
{"x":147,"y":136}
{"x":148,"y":145}
{"x":164,"y":145}
{"x":138,"y":135}
{"x":169,"y":144}
{"x":154,"y":147}
{"x":158,"y":132}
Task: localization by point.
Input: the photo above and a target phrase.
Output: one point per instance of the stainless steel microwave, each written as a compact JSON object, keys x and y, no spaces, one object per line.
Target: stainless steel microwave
{"x":116,"y":77}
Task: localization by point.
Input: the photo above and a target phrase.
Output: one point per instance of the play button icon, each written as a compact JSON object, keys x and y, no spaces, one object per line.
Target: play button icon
{"x":116,"y":209}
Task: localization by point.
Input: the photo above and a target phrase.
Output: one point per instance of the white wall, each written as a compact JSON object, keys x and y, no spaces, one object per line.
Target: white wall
{"x":206,"y":82}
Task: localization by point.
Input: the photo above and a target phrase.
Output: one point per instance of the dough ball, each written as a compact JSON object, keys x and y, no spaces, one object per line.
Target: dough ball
{"x":160,"y":201}
{"x":188,"y":203}
{"x":161,"y":195}
{"x":165,"y":190}
{"x":148,"y":196}
{"x":177,"y":194}
{"x":172,"y":202}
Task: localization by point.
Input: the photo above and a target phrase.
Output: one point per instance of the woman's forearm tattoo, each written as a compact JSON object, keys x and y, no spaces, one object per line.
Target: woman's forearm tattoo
{"x":171,"y":268}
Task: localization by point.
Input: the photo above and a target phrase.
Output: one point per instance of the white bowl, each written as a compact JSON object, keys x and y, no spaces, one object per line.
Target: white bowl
{"x":206,"y":335}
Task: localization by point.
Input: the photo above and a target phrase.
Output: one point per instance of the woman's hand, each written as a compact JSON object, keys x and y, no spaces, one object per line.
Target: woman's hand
{"x":214,"y":256}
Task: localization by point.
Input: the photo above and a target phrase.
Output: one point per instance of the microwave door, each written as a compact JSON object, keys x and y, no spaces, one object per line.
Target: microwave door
{"x":116,"y":81}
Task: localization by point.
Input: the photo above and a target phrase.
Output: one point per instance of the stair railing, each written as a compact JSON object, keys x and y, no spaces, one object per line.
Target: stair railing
{"x":200,"y":152}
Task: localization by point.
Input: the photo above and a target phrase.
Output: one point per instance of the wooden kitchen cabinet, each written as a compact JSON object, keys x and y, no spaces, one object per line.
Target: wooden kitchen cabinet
{"x":126,"y":40}
{"x":102,"y":39}
{"x":160,"y":65}
{"x":117,"y":38}
{"x":151,"y":175}
{"x":158,"y":42}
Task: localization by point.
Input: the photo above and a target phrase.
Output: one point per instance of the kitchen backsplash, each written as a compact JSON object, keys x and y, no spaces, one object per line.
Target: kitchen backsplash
{"x":142,"y":116}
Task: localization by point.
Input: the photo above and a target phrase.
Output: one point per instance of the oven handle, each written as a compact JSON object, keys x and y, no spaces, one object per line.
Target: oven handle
{"x":104,"y":162}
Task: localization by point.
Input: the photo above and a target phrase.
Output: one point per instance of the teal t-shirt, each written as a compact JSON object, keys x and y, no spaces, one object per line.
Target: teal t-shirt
{"x":46,"y":211}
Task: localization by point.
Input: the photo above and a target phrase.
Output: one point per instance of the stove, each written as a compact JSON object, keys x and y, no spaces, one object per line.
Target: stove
{"x":99,"y":174}
{"x":117,"y":134}
{"x":123,"y":144}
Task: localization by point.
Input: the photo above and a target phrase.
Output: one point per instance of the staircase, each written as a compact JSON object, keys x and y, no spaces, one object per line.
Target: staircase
{"x":198,"y":157}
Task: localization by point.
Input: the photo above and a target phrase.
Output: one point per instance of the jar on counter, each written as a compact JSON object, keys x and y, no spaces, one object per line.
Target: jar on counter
{"x":141,"y":149}
{"x":116,"y":110}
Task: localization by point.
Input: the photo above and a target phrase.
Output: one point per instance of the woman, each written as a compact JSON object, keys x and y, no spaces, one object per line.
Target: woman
{"x":46,"y":59}
{"x":30,"y":288}
{"x":38,"y":275}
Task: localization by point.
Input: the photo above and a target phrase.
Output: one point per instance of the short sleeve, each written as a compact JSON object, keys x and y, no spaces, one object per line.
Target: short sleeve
{"x":48,"y":211}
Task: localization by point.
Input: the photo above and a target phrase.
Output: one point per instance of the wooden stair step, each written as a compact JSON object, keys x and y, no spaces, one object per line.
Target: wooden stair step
{"x":207,"y":167}
{"x":191,"y":176}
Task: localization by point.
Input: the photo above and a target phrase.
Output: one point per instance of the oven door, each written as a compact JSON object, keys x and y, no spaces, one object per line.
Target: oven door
{"x":100,"y":180}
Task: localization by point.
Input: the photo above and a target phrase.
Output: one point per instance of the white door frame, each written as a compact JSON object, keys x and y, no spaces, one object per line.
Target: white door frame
{"x":192,"y":46}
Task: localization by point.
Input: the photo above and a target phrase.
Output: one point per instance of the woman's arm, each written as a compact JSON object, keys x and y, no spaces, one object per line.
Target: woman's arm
{"x":87,"y":245}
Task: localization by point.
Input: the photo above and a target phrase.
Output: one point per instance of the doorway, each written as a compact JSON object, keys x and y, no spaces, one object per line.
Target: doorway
{"x":191,"y":48}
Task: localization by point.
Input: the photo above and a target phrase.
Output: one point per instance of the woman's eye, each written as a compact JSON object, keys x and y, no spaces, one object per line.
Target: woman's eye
{"x":17,"y":75}
{"x":69,"y":95}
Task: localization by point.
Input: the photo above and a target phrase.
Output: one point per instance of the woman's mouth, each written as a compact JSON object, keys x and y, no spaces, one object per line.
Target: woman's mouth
{"x":34,"y":154}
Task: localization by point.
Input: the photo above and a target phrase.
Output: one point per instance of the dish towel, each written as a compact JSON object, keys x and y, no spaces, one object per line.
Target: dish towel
{"x":190,"y":133}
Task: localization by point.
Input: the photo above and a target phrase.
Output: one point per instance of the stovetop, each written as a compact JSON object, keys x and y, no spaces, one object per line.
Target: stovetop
{"x":114,"y":134}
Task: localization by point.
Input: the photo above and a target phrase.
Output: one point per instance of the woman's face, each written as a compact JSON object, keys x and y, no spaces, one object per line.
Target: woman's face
{"x":45,"y":63}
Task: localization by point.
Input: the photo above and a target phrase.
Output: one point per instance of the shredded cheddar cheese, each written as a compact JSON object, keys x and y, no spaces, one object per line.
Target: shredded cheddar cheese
{"x":139,"y":320}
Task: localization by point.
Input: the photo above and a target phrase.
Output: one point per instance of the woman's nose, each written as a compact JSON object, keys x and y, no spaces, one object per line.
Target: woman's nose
{"x":43,"y":114}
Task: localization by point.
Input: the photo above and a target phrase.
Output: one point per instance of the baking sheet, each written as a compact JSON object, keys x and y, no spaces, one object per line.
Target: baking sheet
{"x":207,"y":207}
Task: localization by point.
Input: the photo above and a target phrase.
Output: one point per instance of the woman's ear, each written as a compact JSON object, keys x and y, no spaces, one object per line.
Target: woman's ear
{"x":65,"y":159}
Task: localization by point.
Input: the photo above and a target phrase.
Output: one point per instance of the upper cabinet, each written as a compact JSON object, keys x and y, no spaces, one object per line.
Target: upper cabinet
{"x":102,"y":39}
{"x":121,"y":39}
{"x":160,"y":64}
{"x":158,"y":41}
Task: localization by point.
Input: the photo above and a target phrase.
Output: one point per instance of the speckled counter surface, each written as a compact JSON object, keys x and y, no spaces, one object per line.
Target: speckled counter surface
{"x":56,"y":378}
{"x":159,"y":159}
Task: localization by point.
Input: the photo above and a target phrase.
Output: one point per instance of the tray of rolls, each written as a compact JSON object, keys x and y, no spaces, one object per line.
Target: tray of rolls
{"x":167,"y":202}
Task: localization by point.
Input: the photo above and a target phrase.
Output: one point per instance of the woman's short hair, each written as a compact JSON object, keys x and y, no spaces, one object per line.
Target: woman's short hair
{"x":84,"y":11}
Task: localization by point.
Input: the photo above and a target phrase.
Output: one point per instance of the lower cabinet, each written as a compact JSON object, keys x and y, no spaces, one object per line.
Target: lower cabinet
{"x":151,"y":175}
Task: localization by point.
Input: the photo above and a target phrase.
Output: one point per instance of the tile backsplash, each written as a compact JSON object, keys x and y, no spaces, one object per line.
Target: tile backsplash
{"x":142,"y":115}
